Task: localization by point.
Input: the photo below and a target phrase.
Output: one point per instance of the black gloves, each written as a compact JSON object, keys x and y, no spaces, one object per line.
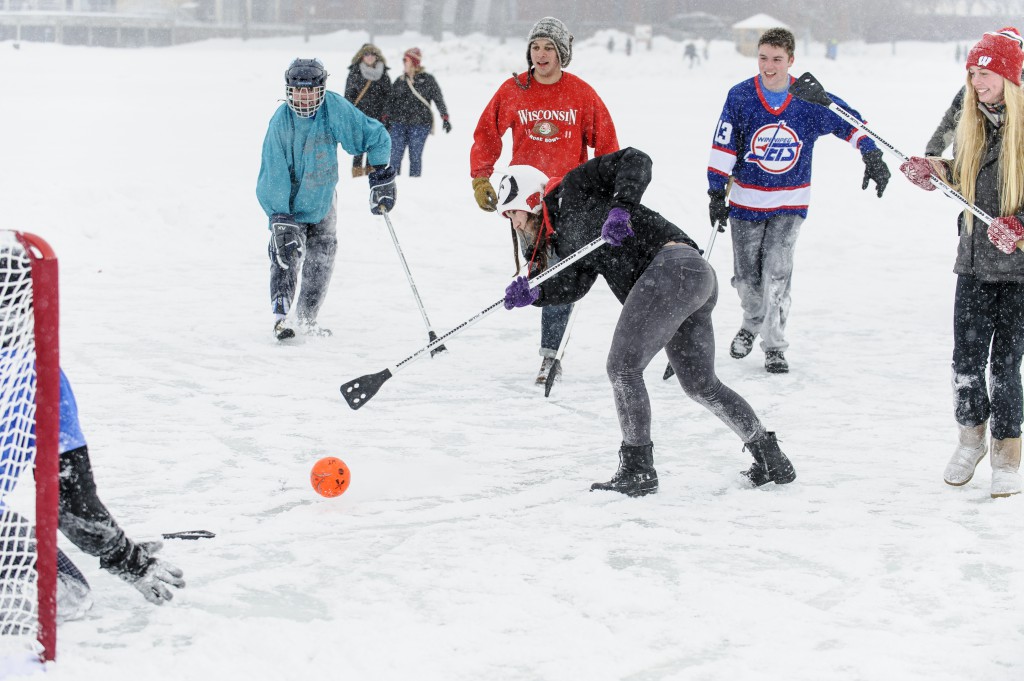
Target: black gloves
{"x":875,"y":169}
{"x":445,"y":124}
{"x":382,"y":190}
{"x":718,"y":208}
{"x":286,"y":240}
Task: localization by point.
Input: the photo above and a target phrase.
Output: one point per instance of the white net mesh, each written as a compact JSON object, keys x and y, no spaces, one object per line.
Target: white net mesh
{"x":18,"y":577}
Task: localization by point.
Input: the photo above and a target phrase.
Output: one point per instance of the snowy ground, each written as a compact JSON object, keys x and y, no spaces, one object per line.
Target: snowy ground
{"x":468,"y":545}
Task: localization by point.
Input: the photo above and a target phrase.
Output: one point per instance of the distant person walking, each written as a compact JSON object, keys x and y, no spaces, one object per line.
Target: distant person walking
{"x":368,"y":87}
{"x":408,"y":114}
{"x":690,"y":52}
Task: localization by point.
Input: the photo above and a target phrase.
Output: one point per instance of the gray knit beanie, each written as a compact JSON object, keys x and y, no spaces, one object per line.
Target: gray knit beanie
{"x":555,"y":31}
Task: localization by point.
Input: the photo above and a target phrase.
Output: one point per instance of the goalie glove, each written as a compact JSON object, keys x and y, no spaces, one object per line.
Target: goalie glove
{"x":150,"y":576}
{"x":286,"y":240}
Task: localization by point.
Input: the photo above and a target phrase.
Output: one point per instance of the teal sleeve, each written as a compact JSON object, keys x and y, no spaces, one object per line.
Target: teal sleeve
{"x":274,"y":185}
{"x":358,"y":133}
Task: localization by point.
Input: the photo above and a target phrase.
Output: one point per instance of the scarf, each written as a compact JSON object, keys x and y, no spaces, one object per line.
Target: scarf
{"x":372,"y":72}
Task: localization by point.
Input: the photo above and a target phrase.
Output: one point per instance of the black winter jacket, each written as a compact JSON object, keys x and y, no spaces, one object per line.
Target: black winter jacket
{"x":404,"y":107}
{"x":578,"y":208}
{"x":976,"y":255}
{"x":376,"y":98}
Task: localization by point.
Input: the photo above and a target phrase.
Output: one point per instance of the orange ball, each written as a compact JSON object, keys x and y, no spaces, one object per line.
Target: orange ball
{"x":330,"y":476}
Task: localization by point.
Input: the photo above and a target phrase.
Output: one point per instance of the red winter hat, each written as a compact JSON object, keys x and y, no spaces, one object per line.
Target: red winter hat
{"x":414,"y":55}
{"x":1000,"y":52}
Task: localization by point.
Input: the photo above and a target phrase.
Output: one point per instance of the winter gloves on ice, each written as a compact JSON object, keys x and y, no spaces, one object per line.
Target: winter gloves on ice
{"x":718,"y":208}
{"x":919,"y":171}
{"x":875,"y":170}
{"x":617,"y":227}
{"x":382,"y":190}
{"x":519,"y":293}
{"x":485,"y":195}
{"x":88,"y":524}
{"x":135,"y":564}
{"x":286,"y":242}
{"x":1005,"y":233}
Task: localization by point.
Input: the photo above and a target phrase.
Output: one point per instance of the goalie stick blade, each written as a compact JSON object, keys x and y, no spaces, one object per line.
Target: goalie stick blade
{"x":669,"y":372}
{"x":189,"y":534}
{"x":807,"y":88}
{"x":359,"y":391}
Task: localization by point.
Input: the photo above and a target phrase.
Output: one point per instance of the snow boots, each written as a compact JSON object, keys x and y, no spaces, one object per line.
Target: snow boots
{"x":775,"y":362}
{"x":770,"y":464}
{"x":742,"y":344}
{"x":969,"y":452}
{"x":283,"y":331}
{"x":545,"y":368}
{"x":1006,"y":479}
{"x":636,"y":476}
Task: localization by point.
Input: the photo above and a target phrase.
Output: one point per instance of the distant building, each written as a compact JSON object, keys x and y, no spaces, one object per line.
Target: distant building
{"x":746,"y":33}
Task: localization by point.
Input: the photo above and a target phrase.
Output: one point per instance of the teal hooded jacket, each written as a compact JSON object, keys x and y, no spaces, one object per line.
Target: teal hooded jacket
{"x":299,"y":170}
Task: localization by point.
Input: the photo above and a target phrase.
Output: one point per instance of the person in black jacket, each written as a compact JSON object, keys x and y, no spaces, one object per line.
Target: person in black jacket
{"x":368,"y":87}
{"x":408,"y":114}
{"x":988,"y":310}
{"x":667,"y":290}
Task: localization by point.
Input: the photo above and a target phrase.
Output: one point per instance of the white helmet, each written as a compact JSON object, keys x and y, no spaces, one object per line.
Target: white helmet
{"x":521,"y":188}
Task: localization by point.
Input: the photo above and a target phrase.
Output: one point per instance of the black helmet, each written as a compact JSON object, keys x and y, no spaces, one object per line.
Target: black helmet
{"x":308,"y":74}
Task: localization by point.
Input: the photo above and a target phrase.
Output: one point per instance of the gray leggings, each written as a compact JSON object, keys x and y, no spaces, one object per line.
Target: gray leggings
{"x":670,"y":307}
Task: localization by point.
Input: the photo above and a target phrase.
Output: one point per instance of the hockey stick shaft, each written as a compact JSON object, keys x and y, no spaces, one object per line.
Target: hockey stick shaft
{"x":818,"y":96}
{"x":556,"y":366}
{"x":408,"y":272}
{"x":359,"y":391}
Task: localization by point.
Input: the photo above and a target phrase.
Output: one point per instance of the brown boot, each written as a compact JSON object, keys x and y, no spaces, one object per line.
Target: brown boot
{"x":970,"y":450}
{"x":1006,"y":479}
{"x":358,"y":171}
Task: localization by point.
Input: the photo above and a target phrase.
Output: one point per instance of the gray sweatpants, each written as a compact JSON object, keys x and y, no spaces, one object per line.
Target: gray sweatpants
{"x":670,"y":307}
{"x":319,"y":245}
{"x":762,"y":255}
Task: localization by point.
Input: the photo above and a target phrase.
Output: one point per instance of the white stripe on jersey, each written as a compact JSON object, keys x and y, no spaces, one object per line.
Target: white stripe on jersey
{"x":758,"y":198}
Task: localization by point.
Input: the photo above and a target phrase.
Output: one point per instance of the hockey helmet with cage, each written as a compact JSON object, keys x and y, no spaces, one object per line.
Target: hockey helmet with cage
{"x":311,"y":76}
{"x":521,"y":188}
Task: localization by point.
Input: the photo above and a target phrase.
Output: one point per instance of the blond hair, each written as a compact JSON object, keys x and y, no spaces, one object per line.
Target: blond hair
{"x":972,"y":141}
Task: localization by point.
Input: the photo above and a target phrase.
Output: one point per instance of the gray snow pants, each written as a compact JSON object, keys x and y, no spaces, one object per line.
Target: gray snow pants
{"x":762,"y":255}
{"x":316,"y":261}
{"x":670,"y":307}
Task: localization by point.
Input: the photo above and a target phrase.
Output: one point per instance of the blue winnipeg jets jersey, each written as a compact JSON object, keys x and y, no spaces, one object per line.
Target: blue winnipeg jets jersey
{"x":768,"y":151}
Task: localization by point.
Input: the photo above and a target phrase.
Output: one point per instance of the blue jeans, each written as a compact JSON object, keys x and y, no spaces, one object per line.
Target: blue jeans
{"x":412,"y":136}
{"x":988,"y":334}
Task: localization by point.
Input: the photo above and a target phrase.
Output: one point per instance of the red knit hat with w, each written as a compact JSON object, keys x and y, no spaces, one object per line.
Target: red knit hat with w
{"x":1000,"y":52}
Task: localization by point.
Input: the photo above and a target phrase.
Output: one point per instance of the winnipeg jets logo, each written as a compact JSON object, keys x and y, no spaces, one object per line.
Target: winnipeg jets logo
{"x":545,"y":129}
{"x":775,"y":148}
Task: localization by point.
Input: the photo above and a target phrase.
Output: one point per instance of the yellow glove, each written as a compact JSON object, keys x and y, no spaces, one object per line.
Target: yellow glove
{"x":486,"y":198}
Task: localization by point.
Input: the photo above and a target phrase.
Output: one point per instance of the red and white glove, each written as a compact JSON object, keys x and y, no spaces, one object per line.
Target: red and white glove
{"x":918,"y":170}
{"x":1005,"y":233}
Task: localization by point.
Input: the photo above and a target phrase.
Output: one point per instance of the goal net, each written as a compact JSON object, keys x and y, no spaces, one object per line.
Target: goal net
{"x":29,"y":432}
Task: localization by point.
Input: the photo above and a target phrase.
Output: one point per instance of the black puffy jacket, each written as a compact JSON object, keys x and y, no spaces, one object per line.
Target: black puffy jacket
{"x":376,"y":97}
{"x":578,"y":208}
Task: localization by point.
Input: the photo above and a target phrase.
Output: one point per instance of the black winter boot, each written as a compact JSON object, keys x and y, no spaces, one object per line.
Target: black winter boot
{"x":770,"y":464}
{"x":636,"y":476}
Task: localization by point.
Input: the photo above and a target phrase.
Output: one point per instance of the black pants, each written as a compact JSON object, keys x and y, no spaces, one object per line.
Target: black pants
{"x":670,"y":307}
{"x":319,"y":245}
{"x":988,"y":332}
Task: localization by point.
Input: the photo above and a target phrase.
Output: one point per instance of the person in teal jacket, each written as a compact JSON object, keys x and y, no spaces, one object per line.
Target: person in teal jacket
{"x":297,"y":188}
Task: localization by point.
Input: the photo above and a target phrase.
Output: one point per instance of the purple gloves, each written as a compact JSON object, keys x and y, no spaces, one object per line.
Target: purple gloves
{"x":1005,"y":233}
{"x":616,"y":228}
{"x":918,"y":170}
{"x":519,"y":293}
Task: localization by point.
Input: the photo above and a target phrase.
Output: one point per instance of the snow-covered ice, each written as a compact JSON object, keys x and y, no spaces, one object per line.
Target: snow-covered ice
{"x":468,"y":545}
